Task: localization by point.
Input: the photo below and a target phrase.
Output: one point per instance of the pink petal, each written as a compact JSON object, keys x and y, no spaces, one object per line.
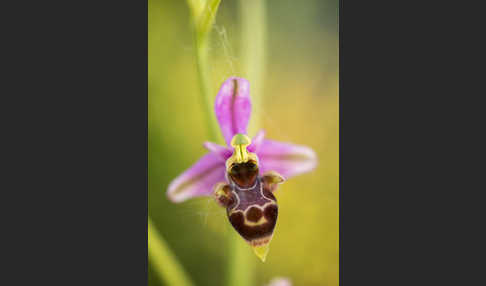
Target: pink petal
{"x":257,"y":141}
{"x":233,"y":107}
{"x":222,"y":151}
{"x":287,"y":159}
{"x":198,"y":180}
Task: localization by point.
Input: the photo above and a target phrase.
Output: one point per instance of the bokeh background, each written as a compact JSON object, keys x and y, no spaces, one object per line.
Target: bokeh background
{"x":299,"y":105}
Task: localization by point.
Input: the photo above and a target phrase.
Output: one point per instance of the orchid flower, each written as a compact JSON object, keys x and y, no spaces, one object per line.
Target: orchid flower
{"x":243,"y":175}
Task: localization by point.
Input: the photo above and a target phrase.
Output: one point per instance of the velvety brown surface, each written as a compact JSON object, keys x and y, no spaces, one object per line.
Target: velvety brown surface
{"x":257,"y":231}
{"x":244,"y":174}
{"x":254,"y":214}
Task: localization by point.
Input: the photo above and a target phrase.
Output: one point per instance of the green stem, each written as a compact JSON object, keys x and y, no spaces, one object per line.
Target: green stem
{"x":163,"y":260}
{"x":207,"y":95}
{"x":252,"y":15}
{"x":203,"y":14}
{"x":241,"y":262}
{"x":253,"y":34}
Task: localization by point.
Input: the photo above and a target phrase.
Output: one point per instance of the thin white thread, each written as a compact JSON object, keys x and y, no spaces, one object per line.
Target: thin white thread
{"x":227,"y":50}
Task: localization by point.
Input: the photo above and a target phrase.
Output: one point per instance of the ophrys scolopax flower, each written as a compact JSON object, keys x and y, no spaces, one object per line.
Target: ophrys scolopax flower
{"x":243,"y":175}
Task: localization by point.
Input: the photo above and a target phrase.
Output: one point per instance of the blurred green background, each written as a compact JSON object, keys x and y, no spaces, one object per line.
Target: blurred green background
{"x":299,"y":105}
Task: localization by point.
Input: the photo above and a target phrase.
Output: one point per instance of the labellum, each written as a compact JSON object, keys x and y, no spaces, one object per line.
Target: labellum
{"x":250,"y":205}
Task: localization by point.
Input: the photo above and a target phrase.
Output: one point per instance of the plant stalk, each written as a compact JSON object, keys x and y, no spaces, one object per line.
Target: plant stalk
{"x":163,"y":260}
{"x":241,"y":262}
{"x":207,"y":95}
{"x":253,"y":32}
{"x":253,"y":35}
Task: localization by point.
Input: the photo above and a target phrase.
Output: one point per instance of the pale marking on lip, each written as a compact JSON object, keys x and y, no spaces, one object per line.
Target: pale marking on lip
{"x":238,"y":201}
{"x":262,"y":208}
{"x":245,"y":189}
{"x":262,"y":220}
{"x":261,"y":192}
{"x":232,"y":210}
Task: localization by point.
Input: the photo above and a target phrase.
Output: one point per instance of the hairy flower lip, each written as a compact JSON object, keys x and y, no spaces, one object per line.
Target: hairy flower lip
{"x":233,"y":109}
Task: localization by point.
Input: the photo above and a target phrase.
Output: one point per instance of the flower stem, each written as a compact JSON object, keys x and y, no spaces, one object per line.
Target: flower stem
{"x":163,"y":260}
{"x":240,"y":268}
{"x":203,"y":14}
{"x":253,"y":33}
{"x":252,"y":16}
{"x":207,"y":95}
